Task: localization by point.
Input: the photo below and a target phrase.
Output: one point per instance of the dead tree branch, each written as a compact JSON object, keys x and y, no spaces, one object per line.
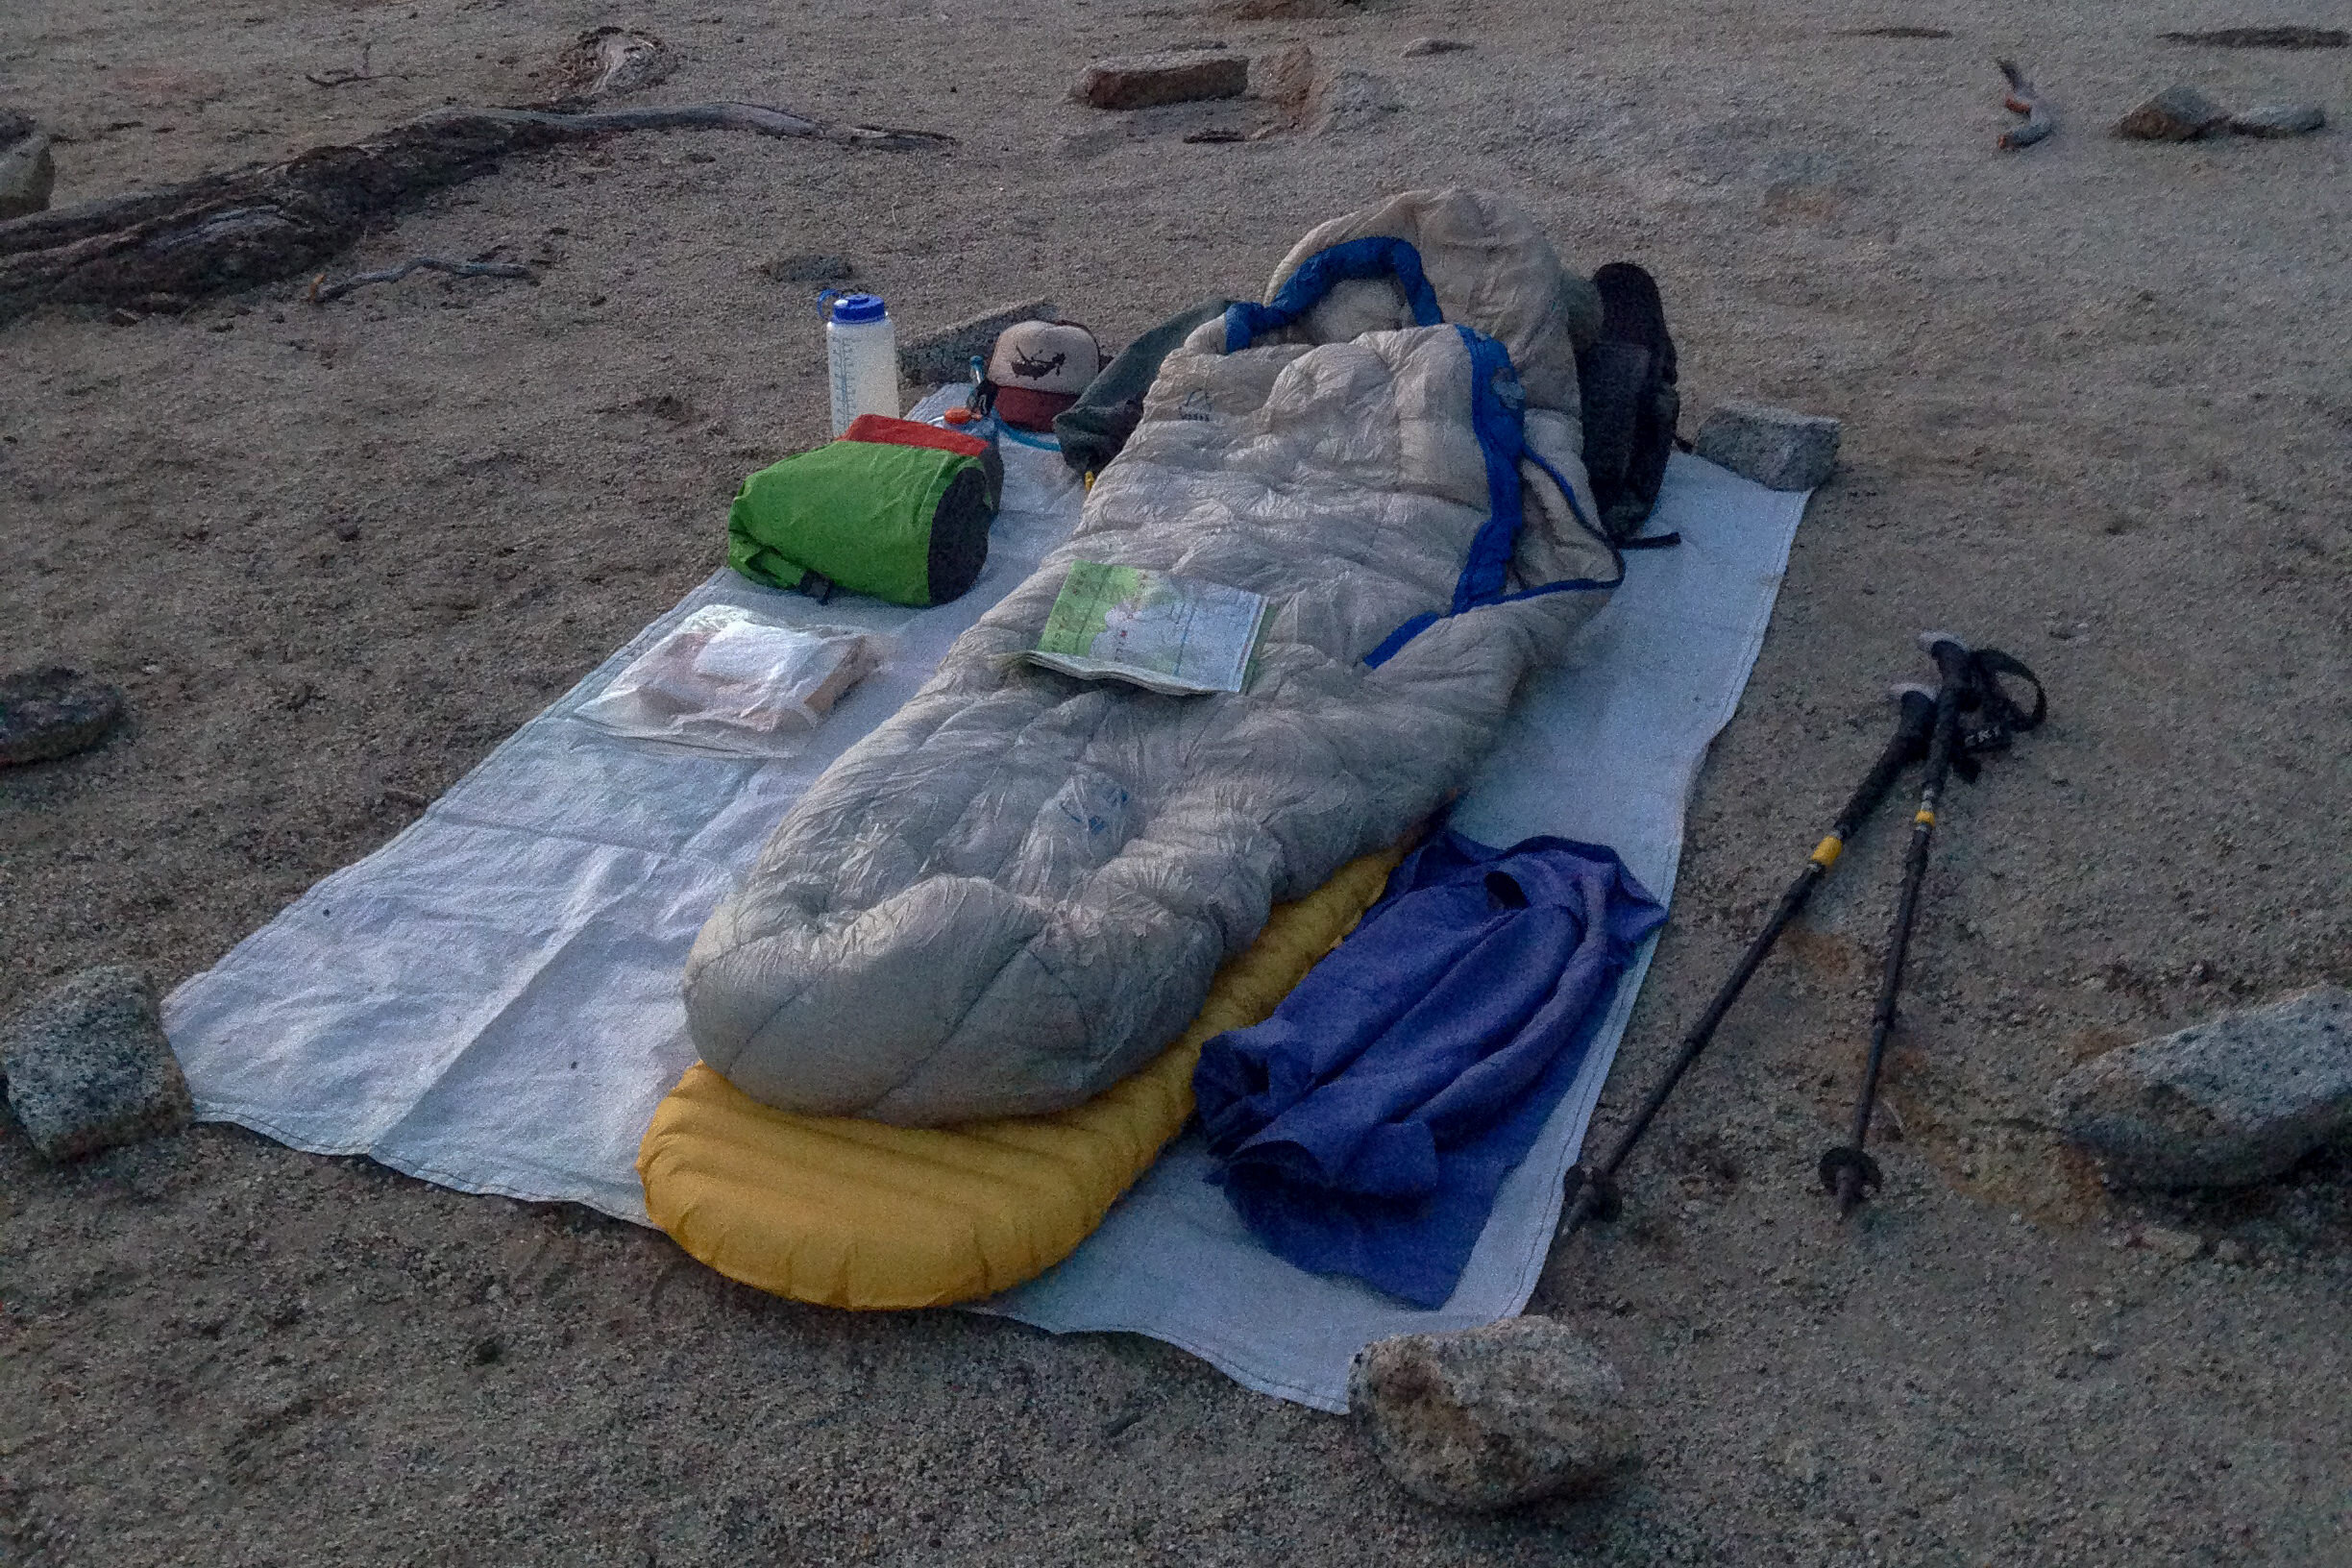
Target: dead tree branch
{"x":321,"y":290}
{"x":221,"y":231}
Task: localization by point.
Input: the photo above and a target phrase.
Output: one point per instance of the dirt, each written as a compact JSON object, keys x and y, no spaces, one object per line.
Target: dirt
{"x":2098,"y":410}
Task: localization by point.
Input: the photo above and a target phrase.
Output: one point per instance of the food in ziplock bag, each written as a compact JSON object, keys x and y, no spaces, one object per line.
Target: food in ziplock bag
{"x":730,"y":682}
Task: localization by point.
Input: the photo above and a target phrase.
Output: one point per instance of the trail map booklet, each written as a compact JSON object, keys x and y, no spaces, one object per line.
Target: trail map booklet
{"x":1177,"y":635}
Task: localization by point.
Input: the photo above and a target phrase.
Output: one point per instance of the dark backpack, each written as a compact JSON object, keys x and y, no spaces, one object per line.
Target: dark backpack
{"x":1626,"y":386}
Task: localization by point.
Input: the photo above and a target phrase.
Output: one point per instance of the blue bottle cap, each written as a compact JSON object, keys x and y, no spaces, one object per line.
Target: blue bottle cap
{"x":858,"y":307}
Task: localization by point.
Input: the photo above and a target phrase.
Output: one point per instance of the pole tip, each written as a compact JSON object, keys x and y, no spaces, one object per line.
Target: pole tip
{"x":1848,"y":1192}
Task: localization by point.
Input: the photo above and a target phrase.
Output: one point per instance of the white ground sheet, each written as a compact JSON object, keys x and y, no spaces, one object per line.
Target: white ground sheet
{"x":490,"y":1001}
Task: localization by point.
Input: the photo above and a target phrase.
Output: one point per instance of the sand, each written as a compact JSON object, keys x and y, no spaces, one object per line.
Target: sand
{"x":2098,"y":410}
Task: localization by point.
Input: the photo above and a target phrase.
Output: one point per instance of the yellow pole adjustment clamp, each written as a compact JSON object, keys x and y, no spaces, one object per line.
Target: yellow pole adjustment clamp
{"x":1925,"y":816}
{"x":1826,"y":854}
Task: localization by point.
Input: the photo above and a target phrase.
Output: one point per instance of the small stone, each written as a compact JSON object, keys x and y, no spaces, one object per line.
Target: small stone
{"x":2235,"y":1254}
{"x":947,"y":354}
{"x":1351,"y":101}
{"x":1177,"y":76}
{"x":1488,"y":1417}
{"x":53,"y":712}
{"x":1420,"y":47}
{"x":2167,"y":1242}
{"x":2178,"y":114}
{"x":28,"y":174}
{"x":807,"y":267}
{"x":1287,"y":80}
{"x":606,"y":62}
{"x":1778,"y":447}
{"x":2236,"y":1100}
{"x":1801,"y":1463}
{"x":87,"y":1066}
{"x":2279,"y":120}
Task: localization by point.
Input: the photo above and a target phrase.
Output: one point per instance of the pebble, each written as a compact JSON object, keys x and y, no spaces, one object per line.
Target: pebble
{"x":1287,"y":80}
{"x":1486,"y":1418}
{"x":2167,"y":1242}
{"x":947,"y":354}
{"x":1177,"y":76}
{"x":1351,"y":101}
{"x":2178,"y":114}
{"x":1778,"y":447}
{"x":53,"y":712}
{"x":87,"y":1066}
{"x":28,"y":174}
{"x":2279,"y":120}
{"x":2233,"y":1101}
{"x":1434,"y":46}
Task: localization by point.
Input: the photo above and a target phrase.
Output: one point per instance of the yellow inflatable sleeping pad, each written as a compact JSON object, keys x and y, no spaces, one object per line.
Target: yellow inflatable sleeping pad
{"x":849,"y":1213}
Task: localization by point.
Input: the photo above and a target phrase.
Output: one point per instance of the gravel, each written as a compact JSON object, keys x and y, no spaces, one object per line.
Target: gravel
{"x":2086,"y":391}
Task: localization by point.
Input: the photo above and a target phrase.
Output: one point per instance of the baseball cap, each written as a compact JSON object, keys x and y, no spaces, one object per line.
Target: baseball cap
{"x":1038,"y":368}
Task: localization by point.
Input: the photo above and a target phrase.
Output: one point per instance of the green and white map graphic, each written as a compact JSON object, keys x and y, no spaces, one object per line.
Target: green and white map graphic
{"x":1167,"y":633}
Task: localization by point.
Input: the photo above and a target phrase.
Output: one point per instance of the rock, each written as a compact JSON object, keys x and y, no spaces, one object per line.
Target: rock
{"x":87,"y":1066}
{"x":2226,"y":1103}
{"x":1778,"y":447}
{"x":807,"y":267}
{"x":2279,"y":120}
{"x":53,"y":712}
{"x":1434,"y":46}
{"x":2167,"y":1242}
{"x":1486,"y":1418}
{"x":2178,"y":114}
{"x":1177,"y":76}
{"x":606,"y":62}
{"x":1351,"y":101}
{"x":15,"y":126}
{"x":1287,"y":80}
{"x":28,"y":174}
{"x":947,"y":354}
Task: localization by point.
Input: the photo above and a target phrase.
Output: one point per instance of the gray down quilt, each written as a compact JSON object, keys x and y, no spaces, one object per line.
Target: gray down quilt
{"x":1016,"y":889}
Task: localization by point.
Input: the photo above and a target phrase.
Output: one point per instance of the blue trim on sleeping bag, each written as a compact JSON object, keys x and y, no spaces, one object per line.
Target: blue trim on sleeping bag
{"x":1498,"y":416}
{"x":1375,"y":256}
{"x":1498,"y":408}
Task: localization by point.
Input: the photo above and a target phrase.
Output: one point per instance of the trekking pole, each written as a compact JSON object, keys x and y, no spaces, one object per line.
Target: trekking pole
{"x":1593,"y":1189}
{"x":1847,"y":1169}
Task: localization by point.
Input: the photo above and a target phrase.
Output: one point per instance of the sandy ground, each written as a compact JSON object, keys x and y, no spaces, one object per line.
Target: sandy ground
{"x":2098,"y":405}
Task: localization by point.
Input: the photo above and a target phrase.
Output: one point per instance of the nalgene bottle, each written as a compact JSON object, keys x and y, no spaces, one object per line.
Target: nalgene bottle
{"x":861,"y":358}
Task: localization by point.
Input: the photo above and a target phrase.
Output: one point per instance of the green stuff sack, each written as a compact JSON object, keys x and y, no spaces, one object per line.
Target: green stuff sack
{"x":908,"y":523}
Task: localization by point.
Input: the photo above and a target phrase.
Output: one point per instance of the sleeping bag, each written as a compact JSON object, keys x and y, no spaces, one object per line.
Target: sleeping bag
{"x":1016,"y":889}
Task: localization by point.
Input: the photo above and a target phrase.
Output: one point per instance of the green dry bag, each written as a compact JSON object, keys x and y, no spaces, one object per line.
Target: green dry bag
{"x":905,"y":522}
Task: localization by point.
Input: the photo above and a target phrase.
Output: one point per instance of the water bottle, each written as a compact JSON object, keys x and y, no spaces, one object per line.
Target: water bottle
{"x":861,"y":358}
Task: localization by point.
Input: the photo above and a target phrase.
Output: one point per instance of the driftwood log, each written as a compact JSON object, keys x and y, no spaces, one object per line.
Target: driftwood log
{"x":163,"y":248}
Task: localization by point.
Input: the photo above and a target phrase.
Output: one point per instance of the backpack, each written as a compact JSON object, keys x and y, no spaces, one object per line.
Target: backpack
{"x":1626,"y":386}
